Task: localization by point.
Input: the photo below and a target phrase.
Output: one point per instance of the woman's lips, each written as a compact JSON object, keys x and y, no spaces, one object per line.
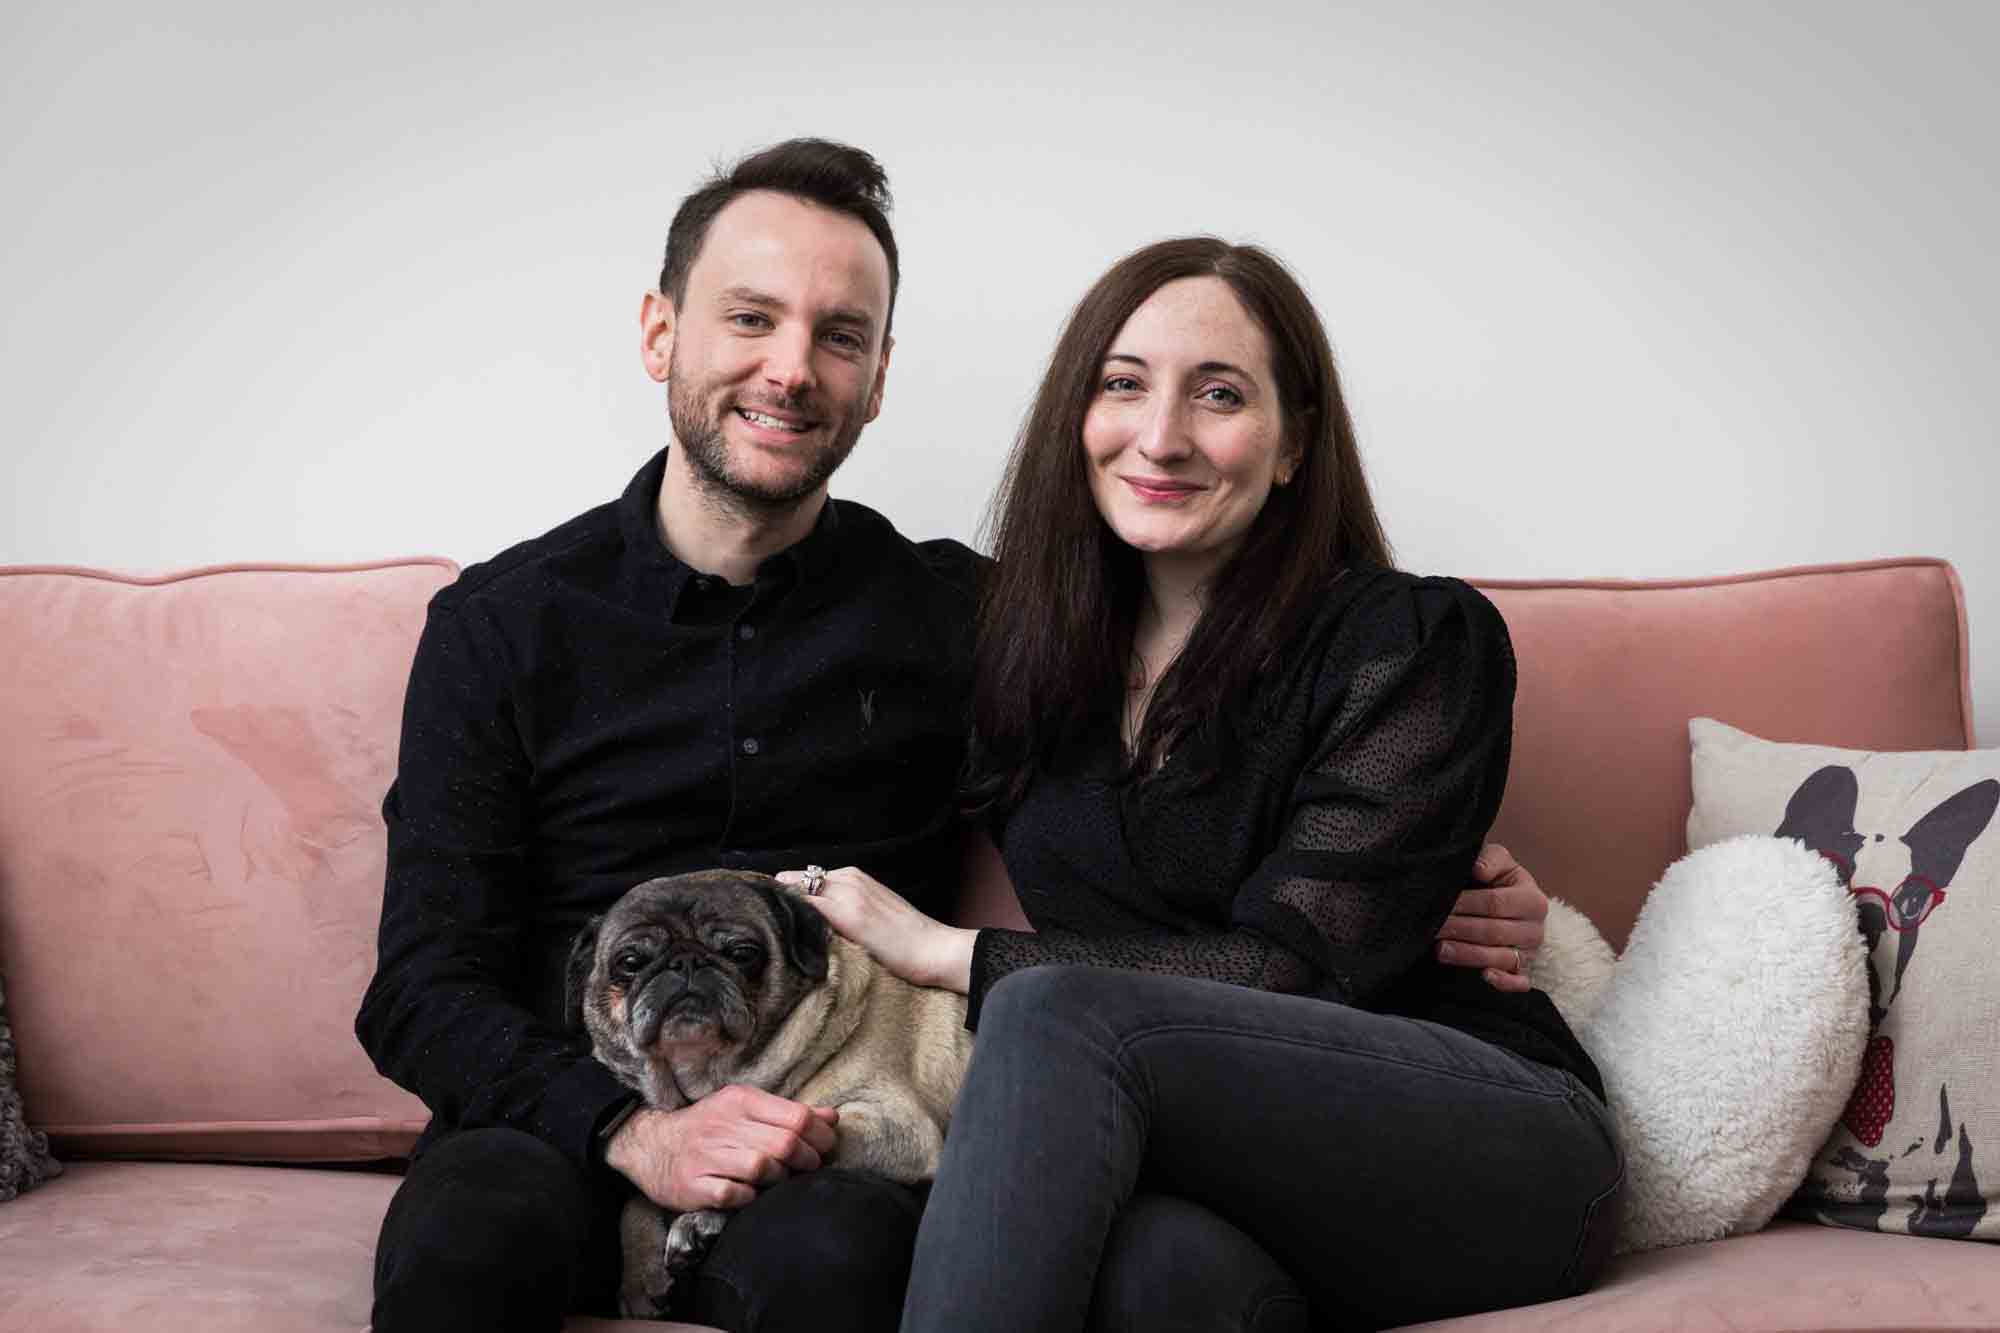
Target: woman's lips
{"x":1158,"y":490}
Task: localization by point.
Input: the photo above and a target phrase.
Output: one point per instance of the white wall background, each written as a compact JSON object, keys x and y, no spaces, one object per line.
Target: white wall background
{"x":1639,"y":289}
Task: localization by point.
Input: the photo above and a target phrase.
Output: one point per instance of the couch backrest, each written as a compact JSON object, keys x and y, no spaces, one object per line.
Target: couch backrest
{"x":1868,"y":656}
{"x":191,"y":853}
{"x":191,"y":847}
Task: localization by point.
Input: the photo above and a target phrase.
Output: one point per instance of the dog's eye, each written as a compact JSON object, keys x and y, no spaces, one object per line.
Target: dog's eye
{"x":744,"y":955}
{"x":628,"y":962}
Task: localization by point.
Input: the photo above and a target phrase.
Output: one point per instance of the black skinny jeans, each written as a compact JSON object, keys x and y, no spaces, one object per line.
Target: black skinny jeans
{"x":493,"y":1230}
{"x":1139,"y":1151}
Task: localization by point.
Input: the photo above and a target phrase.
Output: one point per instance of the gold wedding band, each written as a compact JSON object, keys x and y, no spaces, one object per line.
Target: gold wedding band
{"x":816,"y":880}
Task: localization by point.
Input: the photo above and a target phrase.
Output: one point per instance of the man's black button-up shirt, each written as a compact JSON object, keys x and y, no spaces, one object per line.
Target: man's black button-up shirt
{"x":586,"y":712}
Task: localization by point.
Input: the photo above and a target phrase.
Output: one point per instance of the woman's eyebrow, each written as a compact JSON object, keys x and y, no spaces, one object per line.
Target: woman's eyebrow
{"x":1203,"y":368}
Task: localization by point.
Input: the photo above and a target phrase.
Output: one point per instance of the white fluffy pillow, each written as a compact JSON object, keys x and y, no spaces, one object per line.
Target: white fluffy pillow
{"x":1729,"y":1033}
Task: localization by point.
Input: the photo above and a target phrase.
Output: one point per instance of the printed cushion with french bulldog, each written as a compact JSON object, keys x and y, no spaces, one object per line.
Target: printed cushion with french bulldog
{"x":1915,"y":843}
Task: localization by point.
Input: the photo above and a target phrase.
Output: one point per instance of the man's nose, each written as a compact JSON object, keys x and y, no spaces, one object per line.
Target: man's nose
{"x":788,"y":361}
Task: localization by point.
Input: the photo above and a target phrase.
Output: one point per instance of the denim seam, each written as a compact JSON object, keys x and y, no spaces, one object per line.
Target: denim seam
{"x":1111,"y":1045}
{"x":1166,"y":1029}
{"x":1583,"y":1232}
{"x":1121,"y":1106}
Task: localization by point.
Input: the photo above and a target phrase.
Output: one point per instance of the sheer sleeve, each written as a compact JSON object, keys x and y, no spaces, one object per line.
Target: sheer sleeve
{"x":1409,"y":726}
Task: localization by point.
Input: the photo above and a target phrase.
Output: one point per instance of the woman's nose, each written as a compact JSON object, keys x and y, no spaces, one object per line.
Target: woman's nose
{"x":1163,"y":435}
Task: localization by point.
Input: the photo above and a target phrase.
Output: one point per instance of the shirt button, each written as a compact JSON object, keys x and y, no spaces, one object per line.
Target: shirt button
{"x":750,"y":745}
{"x":746,"y":631}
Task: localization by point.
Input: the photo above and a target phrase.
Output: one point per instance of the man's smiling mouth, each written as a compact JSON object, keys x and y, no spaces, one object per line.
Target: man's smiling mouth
{"x":766,"y":421}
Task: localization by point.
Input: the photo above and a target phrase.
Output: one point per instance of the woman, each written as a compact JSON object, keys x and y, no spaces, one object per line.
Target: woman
{"x":1240,"y":769}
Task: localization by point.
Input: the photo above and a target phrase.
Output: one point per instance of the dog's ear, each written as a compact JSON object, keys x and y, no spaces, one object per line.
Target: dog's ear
{"x":1821,"y":814}
{"x":805,"y":934}
{"x":1938,"y":842}
{"x":576,"y":972}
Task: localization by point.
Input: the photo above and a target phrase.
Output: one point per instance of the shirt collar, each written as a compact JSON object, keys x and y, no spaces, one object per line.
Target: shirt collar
{"x":808,"y":563}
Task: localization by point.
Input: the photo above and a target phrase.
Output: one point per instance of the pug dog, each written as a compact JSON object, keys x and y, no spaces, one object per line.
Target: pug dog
{"x":693,"y":982}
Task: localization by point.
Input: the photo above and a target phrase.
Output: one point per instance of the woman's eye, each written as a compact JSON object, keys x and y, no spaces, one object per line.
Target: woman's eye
{"x":1222,"y":395}
{"x":1121,"y":384}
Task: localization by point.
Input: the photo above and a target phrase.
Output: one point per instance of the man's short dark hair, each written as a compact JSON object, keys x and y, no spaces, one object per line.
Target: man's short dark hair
{"x":819,"y":171}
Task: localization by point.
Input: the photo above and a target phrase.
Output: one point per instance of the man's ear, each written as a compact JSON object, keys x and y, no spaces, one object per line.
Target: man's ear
{"x":656,"y":334}
{"x":802,"y":930}
{"x":875,"y":394}
{"x":576,"y":973}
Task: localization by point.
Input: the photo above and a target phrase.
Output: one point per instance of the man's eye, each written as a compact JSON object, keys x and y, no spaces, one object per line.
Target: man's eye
{"x":749,"y":319}
{"x":848,"y":342}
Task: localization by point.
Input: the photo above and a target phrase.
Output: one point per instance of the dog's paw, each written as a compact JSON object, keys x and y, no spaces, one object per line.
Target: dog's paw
{"x":692,"y":1236}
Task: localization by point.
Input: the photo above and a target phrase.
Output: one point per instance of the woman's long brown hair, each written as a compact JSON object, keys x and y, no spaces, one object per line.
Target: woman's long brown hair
{"x":1058,"y":611}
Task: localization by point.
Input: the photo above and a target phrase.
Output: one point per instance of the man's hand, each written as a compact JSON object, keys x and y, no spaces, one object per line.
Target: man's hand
{"x":720,"y":1151}
{"x":1496,"y":928}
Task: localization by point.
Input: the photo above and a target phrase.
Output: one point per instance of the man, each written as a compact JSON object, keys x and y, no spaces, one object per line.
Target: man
{"x":721,"y":668}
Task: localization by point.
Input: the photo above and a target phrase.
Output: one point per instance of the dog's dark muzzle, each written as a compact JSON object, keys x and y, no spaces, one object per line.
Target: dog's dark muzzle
{"x":683,"y":986}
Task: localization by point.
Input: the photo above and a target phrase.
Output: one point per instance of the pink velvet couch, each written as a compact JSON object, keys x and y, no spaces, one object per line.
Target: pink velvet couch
{"x":191,"y":866}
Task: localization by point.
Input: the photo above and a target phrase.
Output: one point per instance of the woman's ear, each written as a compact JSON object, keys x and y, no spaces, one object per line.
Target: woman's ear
{"x":1288,"y":465}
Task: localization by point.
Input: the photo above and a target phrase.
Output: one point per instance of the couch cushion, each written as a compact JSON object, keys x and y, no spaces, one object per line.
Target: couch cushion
{"x":1915,"y":841}
{"x":191,"y":853}
{"x":144,"y":1245}
{"x":1788,"y":1276}
{"x":1871,"y":656}
{"x":126,"y":1245}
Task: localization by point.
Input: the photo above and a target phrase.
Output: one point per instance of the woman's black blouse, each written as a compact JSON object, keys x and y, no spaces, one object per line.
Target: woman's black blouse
{"x":1323,"y":853}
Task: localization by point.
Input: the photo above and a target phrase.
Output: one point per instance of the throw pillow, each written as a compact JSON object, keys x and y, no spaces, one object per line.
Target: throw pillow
{"x":24,"y":1153}
{"x":1914,"y":841}
{"x":1574,"y":966}
{"x":1728,"y":1033}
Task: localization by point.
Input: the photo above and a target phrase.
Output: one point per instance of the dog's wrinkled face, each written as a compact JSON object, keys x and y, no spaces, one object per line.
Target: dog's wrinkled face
{"x":685,"y":979}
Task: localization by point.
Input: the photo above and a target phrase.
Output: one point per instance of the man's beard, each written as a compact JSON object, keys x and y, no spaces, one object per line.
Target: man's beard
{"x":700,"y":436}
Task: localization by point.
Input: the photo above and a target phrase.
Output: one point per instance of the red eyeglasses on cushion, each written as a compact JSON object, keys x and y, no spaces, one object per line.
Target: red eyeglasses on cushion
{"x":1914,"y":900}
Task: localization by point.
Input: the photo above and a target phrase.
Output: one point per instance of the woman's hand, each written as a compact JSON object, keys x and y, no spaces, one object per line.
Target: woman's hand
{"x":1496,"y":928}
{"x":880,"y":920}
